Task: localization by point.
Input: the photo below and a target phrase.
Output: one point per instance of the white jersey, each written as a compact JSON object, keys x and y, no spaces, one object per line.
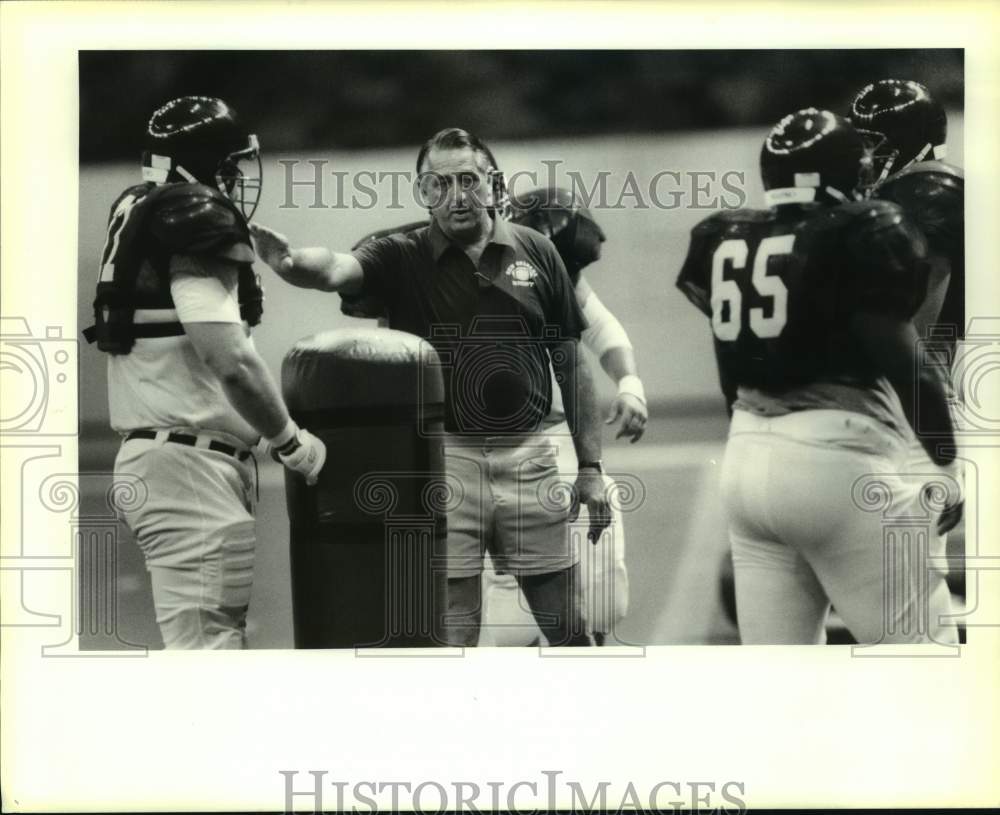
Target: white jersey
{"x":195,"y":231}
{"x":163,"y":384}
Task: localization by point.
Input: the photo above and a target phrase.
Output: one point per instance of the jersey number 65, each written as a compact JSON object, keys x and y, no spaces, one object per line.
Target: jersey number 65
{"x":727,"y":299}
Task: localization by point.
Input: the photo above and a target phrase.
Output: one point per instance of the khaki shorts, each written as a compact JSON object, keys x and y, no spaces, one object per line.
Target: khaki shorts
{"x":514,"y":505}
{"x":507,"y":620}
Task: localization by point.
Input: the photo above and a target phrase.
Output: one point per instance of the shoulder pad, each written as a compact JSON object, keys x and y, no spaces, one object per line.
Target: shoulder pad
{"x":874,"y":211}
{"x":881,"y":224}
{"x":724,"y":218}
{"x":385,"y":233}
{"x":885,"y":257}
{"x":197,"y":219}
{"x":935,"y":167}
{"x":919,"y":182}
{"x":877,"y":223}
{"x":933,"y":196}
{"x":137,"y":190}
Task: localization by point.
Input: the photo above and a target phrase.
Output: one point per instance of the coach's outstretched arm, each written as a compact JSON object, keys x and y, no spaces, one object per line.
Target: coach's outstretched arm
{"x":314,"y":267}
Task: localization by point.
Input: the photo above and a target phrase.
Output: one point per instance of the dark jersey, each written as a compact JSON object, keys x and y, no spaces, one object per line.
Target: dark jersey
{"x":932,"y":194}
{"x":781,"y":285}
{"x":148,"y":225}
{"x":494,"y":324}
{"x":574,"y":232}
{"x":368,"y":305}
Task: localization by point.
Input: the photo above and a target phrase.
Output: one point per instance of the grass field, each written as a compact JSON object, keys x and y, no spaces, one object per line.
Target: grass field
{"x":676,"y":540}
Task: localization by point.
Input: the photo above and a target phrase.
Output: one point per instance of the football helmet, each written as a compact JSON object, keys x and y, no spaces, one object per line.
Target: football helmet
{"x":561,"y":216}
{"x":813,"y":155}
{"x":199,"y":138}
{"x":901,"y":124}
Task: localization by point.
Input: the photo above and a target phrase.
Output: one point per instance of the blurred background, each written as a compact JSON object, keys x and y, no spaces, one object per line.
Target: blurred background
{"x":671,"y":136}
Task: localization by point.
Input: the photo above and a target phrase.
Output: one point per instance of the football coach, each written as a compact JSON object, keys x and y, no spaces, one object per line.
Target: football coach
{"x":494,"y":300}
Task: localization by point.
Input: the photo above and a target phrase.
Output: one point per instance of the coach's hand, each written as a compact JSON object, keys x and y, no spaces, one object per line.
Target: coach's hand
{"x":591,"y":490}
{"x":307,"y":457}
{"x":632,"y":411}
{"x":273,"y":248}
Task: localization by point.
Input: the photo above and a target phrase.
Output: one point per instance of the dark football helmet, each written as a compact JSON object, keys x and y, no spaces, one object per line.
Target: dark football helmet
{"x":198,"y":138}
{"x":901,"y":123}
{"x":560,"y":215}
{"x":813,"y":155}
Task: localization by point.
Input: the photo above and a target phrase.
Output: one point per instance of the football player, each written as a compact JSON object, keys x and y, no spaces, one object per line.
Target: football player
{"x":176,"y":298}
{"x":906,"y":131}
{"x":811,"y":304}
{"x":560,"y":216}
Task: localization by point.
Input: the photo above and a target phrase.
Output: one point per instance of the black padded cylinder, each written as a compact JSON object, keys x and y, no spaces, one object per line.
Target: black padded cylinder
{"x":367,"y":542}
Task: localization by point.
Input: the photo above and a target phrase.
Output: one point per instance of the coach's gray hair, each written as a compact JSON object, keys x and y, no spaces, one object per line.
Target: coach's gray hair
{"x":454,"y":138}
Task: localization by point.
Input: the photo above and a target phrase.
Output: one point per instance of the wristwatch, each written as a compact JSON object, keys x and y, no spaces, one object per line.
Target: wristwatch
{"x":592,"y":465}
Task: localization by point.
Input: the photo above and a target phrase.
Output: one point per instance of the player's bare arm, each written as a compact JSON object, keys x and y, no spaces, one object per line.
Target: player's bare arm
{"x":892,"y":343}
{"x":226,"y":351}
{"x":606,"y":336}
{"x":225,"y":348}
{"x":309,"y":268}
{"x":577,"y":386}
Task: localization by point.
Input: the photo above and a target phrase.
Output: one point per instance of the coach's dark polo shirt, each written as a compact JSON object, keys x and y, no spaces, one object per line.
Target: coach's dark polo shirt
{"x":492,"y":326}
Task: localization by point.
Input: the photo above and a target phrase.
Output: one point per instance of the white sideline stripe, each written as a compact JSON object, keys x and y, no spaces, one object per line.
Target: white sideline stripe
{"x":620,"y":458}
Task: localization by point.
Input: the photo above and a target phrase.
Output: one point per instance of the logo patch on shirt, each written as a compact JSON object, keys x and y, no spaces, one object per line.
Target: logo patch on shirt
{"x":521,"y":273}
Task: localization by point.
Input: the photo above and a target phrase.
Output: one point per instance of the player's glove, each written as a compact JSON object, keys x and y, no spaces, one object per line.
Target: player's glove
{"x":298,"y":450}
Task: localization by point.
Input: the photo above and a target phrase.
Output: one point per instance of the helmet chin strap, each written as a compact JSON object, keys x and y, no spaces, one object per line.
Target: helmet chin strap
{"x":185,"y":174}
{"x":936,"y":152}
{"x":886,"y":168}
{"x":836,"y":194}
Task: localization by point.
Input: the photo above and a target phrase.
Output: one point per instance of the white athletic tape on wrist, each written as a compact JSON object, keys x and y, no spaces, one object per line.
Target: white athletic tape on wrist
{"x":288,"y":433}
{"x":603,"y":331}
{"x":632,"y":385}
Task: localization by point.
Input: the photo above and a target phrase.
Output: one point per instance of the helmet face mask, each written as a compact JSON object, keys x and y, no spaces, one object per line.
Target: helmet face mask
{"x":240,"y":176}
{"x":903,"y":123}
{"x":879,"y":161}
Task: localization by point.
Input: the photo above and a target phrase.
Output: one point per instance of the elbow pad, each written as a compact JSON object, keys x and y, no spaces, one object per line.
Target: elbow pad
{"x":603,"y":331}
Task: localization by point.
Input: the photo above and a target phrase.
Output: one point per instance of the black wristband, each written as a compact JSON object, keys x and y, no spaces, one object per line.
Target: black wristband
{"x":289,"y":446}
{"x":592,"y":465}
